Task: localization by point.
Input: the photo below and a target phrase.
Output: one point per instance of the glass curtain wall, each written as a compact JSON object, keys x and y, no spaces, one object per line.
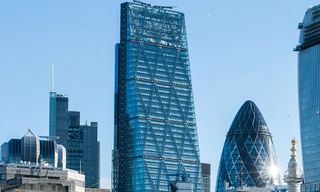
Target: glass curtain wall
{"x":156,"y":142}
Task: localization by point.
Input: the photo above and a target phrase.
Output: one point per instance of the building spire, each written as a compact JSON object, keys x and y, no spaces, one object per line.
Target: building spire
{"x":52,"y":77}
{"x":294,"y":148}
{"x":293,"y":176}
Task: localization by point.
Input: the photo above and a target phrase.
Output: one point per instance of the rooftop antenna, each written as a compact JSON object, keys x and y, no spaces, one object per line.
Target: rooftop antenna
{"x":52,"y":77}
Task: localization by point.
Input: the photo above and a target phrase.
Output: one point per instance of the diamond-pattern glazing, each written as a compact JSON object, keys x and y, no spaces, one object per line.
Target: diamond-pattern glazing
{"x":248,"y":151}
{"x":156,"y":138}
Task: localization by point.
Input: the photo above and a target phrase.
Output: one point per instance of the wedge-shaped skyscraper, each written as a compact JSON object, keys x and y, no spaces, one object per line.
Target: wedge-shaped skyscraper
{"x":248,"y":154}
{"x":156,"y":142}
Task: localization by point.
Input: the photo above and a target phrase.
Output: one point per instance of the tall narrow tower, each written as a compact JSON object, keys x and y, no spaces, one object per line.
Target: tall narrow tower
{"x":156,"y":142}
{"x":58,"y":114}
{"x":293,"y":177}
{"x":80,"y":142}
{"x":309,"y":94}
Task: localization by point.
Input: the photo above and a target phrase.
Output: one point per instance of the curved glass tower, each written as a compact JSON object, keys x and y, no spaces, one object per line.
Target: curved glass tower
{"x":248,"y":152}
{"x":156,"y":142}
{"x":309,"y":97}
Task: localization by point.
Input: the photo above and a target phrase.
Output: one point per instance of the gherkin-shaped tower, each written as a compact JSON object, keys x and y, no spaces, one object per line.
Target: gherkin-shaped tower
{"x":248,"y":152}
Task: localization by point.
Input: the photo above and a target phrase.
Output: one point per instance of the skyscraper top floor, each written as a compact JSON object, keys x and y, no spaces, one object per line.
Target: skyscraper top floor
{"x":153,"y":25}
{"x":309,"y":29}
{"x":162,"y":9}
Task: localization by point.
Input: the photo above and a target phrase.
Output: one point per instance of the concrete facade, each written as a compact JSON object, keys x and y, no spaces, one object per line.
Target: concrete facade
{"x":35,"y":178}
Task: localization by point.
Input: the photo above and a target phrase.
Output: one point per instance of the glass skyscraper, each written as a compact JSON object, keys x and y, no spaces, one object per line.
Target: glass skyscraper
{"x":248,"y":154}
{"x":156,"y":142}
{"x":58,"y":117}
{"x":81,"y":143}
{"x":309,"y":97}
{"x":83,"y":149}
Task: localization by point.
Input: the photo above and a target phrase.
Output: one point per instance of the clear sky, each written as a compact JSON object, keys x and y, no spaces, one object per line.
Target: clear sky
{"x":238,"y":50}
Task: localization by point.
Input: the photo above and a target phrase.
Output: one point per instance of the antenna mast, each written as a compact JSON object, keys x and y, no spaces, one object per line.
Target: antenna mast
{"x":52,"y":77}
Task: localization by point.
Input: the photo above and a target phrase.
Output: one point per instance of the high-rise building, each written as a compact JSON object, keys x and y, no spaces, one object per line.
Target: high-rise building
{"x":81,"y":141}
{"x":32,"y":149}
{"x":156,"y":143}
{"x":91,"y":147}
{"x":58,"y":117}
{"x":205,"y":175}
{"x":248,"y":156}
{"x":74,"y":149}
{"x":82,"y":147}
{"x":309,"y":96}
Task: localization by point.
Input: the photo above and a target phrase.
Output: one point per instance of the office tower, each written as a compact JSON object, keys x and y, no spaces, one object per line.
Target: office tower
{"x":74,"y":149}
{"x":80,"y":142}
{"x":156,"y":142}
{"x":309,"y":96}
{"x":31,"y":149}
{"x":205,"y":175}
{"x":91,"y":147}
{"x":83,"y":149}
{"x":58,"y":117}
{"x":248,"y":156}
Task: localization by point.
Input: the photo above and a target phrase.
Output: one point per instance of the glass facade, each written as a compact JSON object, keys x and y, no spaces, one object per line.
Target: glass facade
{"x":14,"y":151}
{"x":75,"y":140}
{"x":83,"y":149}
{"x":48,"y":150}
{"x":80,"y":141}
{"x":4,"y":152}
{"x":31,"y":148}
{"x":309,"y":97}
{"x":91,"y":159}
{"x":248,"y":152}
{"x":156,"y":140}
{"x":206,"y":174}
{"x":58,"y":117}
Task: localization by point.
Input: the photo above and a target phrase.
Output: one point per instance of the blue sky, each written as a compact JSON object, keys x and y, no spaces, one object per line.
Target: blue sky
{"x":238,"y":50}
